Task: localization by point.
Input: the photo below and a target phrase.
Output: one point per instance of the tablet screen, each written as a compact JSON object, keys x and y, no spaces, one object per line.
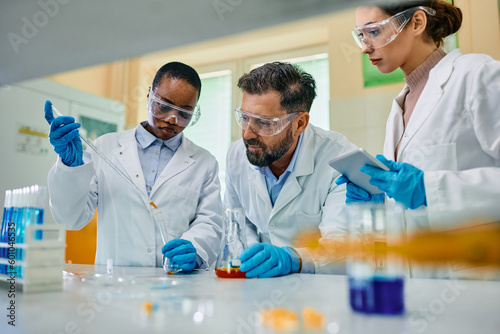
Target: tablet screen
{"x":350,"y":164}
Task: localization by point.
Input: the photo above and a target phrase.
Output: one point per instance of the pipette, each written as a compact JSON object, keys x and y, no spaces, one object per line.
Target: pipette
{"x":157,"y":215}
{"x":109,"y":162}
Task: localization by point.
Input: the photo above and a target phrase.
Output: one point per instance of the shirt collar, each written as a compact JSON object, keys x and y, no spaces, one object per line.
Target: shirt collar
{"x":266,"y":171}
{"x":145,"y":139}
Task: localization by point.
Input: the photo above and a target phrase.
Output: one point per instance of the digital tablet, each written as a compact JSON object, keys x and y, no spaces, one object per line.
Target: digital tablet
{"x":350,"y":164}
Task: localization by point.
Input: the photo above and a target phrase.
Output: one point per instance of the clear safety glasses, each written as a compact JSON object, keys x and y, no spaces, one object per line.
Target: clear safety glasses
{"x":379,"y":34}
{"x":165,"y":111}
{"x":262,"y":125}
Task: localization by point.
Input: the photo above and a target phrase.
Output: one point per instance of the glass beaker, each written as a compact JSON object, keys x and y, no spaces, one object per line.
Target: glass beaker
{"x":233,"y":243}
{"x":376,"y":277}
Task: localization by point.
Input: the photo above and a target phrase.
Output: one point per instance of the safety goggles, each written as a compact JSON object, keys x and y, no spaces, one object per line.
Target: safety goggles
{"x":165,"y":111}
{"x":379,"y":34}
{"x":262,"y":125}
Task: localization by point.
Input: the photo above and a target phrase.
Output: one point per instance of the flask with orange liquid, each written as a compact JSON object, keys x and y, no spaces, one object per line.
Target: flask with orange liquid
{"x":233,"y":243}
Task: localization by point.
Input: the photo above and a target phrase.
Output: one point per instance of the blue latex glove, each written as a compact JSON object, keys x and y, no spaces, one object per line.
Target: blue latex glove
{"x":266,"y":260}
{"x":181,"y":253}
{"x":404,"y":182}
{"x":356,"y":195}
{"x":64,"y":137}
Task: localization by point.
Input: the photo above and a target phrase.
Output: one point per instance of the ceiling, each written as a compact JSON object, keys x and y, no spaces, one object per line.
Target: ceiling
{"x":45,"y":37}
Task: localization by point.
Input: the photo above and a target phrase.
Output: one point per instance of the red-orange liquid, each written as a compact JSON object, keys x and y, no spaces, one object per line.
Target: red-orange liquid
{"x":229,"y":273}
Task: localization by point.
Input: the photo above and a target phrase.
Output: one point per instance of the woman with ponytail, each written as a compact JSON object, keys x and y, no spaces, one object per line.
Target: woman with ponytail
{"x":442,"y":142}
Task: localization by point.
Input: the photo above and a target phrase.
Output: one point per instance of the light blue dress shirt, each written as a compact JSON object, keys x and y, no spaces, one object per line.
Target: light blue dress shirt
{"x":154,"y":154}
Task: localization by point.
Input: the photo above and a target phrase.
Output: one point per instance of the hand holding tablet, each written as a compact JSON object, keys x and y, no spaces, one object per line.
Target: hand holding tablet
{"x":350,"y":164}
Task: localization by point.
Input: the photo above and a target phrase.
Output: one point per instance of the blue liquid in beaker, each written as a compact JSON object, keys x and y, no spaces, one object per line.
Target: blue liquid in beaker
{"x":378,"y":295}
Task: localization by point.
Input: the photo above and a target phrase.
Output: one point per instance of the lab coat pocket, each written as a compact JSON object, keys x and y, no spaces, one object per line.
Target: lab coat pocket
{"x":182,"y":210}
{"x":308,"y":222}
{"x":434,"y":157}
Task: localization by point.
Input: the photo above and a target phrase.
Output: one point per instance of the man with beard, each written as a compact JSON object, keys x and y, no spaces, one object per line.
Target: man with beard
{"x":179,"y":178}
{"x":279,"y":172}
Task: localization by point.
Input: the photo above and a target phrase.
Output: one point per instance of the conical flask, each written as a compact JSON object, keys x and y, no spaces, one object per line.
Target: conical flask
{"x":233,"y":243}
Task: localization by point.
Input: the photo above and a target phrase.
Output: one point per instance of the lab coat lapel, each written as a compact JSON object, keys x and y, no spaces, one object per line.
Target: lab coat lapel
{"x":395,"y":125}
{"x":304,"y":165}
{"x":179,"y":162}
{"x":289,"y":191}
{"x":256,"y":181}
{"x":432,"y":93}
{"x":128,"y":157}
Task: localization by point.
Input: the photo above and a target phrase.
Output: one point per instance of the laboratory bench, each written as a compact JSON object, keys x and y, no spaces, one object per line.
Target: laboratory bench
{"x":146,"y":300}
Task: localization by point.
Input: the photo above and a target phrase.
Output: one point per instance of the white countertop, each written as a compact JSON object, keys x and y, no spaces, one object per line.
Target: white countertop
{"x":201,"y":302}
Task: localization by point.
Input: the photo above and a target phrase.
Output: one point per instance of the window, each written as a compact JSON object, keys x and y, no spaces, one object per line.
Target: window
{"x":213,"y":130}
{"x":317,"y":66}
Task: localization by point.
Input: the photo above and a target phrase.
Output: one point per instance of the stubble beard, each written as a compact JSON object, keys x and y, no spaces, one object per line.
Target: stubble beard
{"x":265,"y":157}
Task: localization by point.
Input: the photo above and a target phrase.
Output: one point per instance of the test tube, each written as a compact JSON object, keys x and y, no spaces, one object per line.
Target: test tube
{"x":158,"y":217}
{"x":37,"y":208}
{"x":17,"y":217}
{"x":6,"y":219}
{"x":109,"y":267}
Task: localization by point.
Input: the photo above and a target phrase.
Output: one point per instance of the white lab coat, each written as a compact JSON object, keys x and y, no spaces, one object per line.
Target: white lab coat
{"x":187,"y":193}
{"x":453,"y":136}
{"x":309,"y":199}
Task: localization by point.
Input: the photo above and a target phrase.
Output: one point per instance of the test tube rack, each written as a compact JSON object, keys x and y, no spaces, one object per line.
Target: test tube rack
{"x":41,"y":268}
